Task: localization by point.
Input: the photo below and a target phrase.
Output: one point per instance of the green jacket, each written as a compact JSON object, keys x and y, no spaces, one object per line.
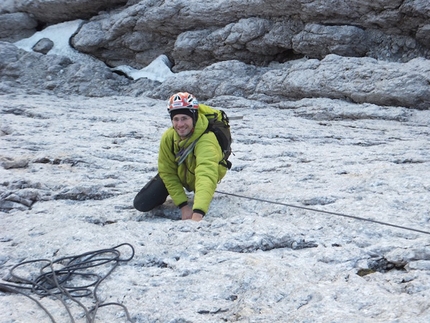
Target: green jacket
{"x":200,"y":172}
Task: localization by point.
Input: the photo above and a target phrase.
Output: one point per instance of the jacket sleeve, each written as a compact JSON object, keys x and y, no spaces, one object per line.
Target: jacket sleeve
{"x":168,"y":169}
{"x":208,"y":155}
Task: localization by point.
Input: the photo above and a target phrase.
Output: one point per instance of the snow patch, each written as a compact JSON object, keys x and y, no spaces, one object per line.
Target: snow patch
{"x":158,"y":70}
{"x":60,"y":34}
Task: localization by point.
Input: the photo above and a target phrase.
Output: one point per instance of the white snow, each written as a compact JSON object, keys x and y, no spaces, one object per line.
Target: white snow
{"x":60,"y":34}
{"x":158,"y":70}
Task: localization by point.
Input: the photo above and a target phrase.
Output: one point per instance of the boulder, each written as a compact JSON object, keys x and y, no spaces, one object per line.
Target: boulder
{"x":55,"y":11}
{"x":15,"y":26}
{"x":43,"y":46}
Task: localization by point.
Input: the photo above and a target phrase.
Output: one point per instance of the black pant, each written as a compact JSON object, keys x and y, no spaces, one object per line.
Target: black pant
{"x":153,"y":194}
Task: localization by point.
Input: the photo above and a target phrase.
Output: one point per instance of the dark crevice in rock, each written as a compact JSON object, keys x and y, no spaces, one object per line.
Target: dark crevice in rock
{"x":408,"y":161}
{"x":40,"y":26}
{"x":286,"y":56}
{"x":380,"y":265}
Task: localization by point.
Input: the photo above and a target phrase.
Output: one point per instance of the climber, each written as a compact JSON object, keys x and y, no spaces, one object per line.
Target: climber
{"x":190,"y":157}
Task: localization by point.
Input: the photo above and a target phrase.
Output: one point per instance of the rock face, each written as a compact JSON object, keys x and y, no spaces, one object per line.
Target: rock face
{"x":352,"y":79}
{"x":54,"y":11}
{"x":330,"y":101}
{"x":198,"y":34}
{"x":36,"y":72}
{"x":360,"y":80}
{"x":362,"y":51}
{"x":15,"y":26}
{"x":70,"y":168}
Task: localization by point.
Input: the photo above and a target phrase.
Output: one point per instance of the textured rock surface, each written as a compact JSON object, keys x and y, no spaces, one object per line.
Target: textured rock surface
{"x":35,"y":72}
{"x":365,"y":52}
{"x":361,"y":80}
{"x":15,"y":26}
{"x":71,"y":166}
{"x":136,"y":32}
{"x":330,"y":101}
{"x":55,"y":11}
{"x":225,"y":30}
{"x":357,"y":80}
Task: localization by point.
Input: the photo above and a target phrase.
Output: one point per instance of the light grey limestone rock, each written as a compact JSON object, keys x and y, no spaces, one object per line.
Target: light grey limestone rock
{"x":11,"y":163}
{"x":137,"y":32}
{"x":378,"y":82}
{"x":248,"y":260}
{"x":252,"y":40}
{"x":372,"y":52}
{"x":317,"y":41}
{"x":15,"y":26}
{"x":196,"y":35}
{"x":55,"y":11}
{"x":361,"y":80}
{"x":57,"y":74}
{"x":8,"y":54}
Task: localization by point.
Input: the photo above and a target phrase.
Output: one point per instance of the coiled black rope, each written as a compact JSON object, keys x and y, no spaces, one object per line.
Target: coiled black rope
{"x":59,"y":279}
{"x":327,"y":212}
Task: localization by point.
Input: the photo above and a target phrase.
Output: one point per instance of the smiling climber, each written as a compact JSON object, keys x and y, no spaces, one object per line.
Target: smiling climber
{"x":190,"y":157}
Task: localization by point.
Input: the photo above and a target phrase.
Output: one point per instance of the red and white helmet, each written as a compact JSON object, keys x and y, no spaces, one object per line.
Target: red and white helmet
{"x":183,"y":100}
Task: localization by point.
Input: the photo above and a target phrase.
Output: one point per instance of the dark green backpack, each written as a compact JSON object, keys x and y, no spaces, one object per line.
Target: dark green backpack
{"x":219,"y":125}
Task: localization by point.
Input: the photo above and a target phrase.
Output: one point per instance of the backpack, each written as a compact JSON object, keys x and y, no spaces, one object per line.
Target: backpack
{"x":219,"y":125}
